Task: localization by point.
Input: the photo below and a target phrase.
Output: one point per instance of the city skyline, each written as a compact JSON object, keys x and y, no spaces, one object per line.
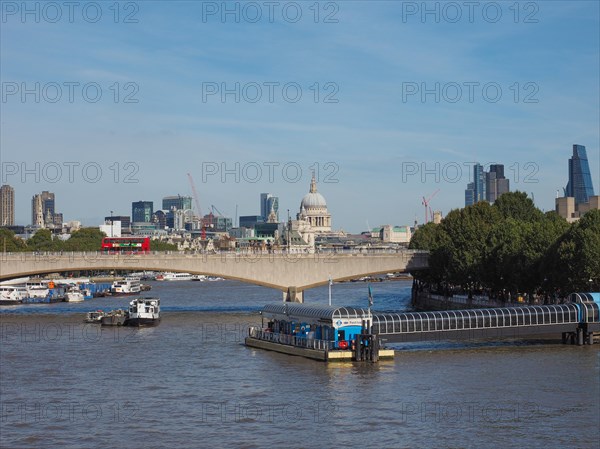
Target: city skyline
{"x":394,"y":106}
{"x":495,"y":176}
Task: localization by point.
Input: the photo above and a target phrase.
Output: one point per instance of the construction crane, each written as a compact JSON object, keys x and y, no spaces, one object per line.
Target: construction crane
{"x":197,"y":203}
{"x":213,"y":207}
{"x":427,"y":207}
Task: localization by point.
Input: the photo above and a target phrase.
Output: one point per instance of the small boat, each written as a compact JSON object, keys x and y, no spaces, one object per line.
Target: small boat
{"x":114,"y":318}
{"x":94,"y":317}
{"x":74,"y":295}
{"x":12,"y":294}
{"x":144,"y":312}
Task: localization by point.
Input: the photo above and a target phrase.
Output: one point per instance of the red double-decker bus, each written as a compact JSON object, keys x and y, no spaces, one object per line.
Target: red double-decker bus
{"x":126,"y":245}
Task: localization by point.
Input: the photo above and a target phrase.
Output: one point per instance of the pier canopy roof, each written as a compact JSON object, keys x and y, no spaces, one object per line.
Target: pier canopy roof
{"x":316,"y":313}
{"x":585,"y":297}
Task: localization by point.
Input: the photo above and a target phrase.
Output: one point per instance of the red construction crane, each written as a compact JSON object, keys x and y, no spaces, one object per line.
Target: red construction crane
{"x":427,"y":207}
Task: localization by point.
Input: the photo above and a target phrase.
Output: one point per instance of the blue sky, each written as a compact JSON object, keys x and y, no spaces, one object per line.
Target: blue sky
{"x":371,"y":146}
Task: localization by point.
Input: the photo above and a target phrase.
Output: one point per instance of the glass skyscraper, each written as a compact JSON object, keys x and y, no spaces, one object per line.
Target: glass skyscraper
{"x":486,"y":186}
{"x":141,"y":211}
{"x":268,"y":202}
{"x":178,"y":202}
{"x":580,"y":179}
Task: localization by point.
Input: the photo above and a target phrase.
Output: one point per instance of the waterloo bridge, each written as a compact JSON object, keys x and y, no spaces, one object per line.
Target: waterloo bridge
{"x":290,"y":273}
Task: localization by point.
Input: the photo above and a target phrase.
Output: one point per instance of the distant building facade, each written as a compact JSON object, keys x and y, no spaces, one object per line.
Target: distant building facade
{"x":178,"y":202}
{"x":486,"y":186}
{"x":571,"y":211}
{"x":7,"y":206}
{"x":125,"y":222}
{"x":141,"y":211}
{"x":37,"y":211}
{"x":249,"y":221}
{"x":395,"y":234}
{"x":267,"y":202}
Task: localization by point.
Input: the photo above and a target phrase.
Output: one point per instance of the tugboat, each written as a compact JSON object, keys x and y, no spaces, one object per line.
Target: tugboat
{"x":144,"y":312}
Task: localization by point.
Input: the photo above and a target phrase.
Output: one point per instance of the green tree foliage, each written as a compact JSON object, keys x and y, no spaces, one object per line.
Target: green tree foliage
{"x":424,"y":237}
{"x":85,"y":239}
{"x":518,"y":206}
{"x":462,"y":250}
{"x":575,"y":258}
{"x":158,"y":245}
{"x":9,"y":242}
{"x":42,"y":241}
{"x":511,"y":246}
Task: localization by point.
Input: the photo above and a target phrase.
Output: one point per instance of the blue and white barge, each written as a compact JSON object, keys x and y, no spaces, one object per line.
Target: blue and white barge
{"x":326,"y":333}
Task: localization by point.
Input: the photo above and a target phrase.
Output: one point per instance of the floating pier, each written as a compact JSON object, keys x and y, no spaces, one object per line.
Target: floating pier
{"x":346,"y":333}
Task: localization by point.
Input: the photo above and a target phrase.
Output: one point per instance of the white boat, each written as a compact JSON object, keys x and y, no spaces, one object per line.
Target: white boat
{"x":126,"y":287}
{"x":74,"y":295}
{"x":38,"y":289}
{"x":12,"y":294}
{"x":198,"y":277}
{"x":174,"y":277}
{"x":143,"y":312}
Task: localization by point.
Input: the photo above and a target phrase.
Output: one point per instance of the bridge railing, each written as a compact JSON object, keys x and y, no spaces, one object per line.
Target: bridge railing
{"x":291,"y":340}
{"x":371,"y":251}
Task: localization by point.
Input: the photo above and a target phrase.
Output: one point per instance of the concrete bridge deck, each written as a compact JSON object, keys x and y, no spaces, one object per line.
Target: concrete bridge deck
{"x":290,"y":273}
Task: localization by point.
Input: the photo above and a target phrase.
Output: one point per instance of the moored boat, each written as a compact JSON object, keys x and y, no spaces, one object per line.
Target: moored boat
{"x":144,"y":312}
{"x":12,"y":294}
{"x":114,"y":318}
{"x":43,"y":292}
{"x":74,"y":295}
{"x":94,"y":316}
{"x":126,"y":287}
{"x":175,"y":277}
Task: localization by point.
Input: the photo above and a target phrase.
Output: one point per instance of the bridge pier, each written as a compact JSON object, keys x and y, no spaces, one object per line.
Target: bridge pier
{"x":293,"y":295}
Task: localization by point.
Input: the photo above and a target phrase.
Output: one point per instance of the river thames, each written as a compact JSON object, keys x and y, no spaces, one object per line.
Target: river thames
{"x":190,"y":382}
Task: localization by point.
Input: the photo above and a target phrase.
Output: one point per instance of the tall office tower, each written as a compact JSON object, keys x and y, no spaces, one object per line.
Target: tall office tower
{"x":37,"y":211}
{"x":580,"y":184}
{"x":267,"y":202}
{"x":141,"y":211}
{"x":178,"y":202}
{"x":491,"y":184}
{"x":496,"y":183}
{"x":479,"y":183}
{"x":7,"y":206}
{"x":470,"y":194}
{"x":498,"y":169}
{"x":48,"y":206}
{"x":263,"y":205}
